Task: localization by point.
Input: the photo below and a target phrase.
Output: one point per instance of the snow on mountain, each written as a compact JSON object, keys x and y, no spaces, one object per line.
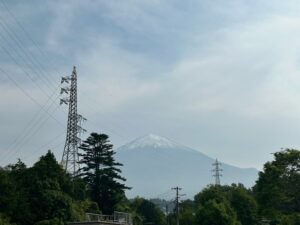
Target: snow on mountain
{"x":152,"y":141}
{"x":154,"y":164}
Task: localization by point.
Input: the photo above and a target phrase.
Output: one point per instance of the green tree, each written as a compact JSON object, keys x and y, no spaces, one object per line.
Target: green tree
{"x":187,"y":212}
{"x":211,"y":192}
{"x":41,"y":192}
{"x":216,"y":213}
{"x":278,"y":185}
{"x":149,"y":212}
{"x":8,"y":199}
{"x":244,"y":204}
{"x":101,"y":172}
{"x":54,"y":221}
{"x":236,"y":197}
{"x":20,"y":211}
{"x":49,"y":189}
{"x":4,"y":220}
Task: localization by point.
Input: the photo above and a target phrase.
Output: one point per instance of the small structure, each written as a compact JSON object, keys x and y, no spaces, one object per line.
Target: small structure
{"x":118,"y":218}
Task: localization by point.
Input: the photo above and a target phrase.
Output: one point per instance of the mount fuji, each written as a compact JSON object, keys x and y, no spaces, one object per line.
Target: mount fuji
{"x":153,"y":164}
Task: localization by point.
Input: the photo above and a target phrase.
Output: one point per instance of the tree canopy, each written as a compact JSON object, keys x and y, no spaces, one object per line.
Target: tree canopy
{"x":102,"y":172}
{"x":46,"y":194}
{"x":150,"y":213}
{"x":278,"y":185}
{"x":227,"y":205}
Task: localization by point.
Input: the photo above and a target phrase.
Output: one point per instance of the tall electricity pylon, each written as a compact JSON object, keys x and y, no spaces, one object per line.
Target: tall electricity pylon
{"x":70,"y":156}
{"x":217,"y":172}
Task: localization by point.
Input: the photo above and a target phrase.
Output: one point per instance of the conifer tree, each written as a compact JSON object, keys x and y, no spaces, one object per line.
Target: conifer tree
{"x":102,"y":172}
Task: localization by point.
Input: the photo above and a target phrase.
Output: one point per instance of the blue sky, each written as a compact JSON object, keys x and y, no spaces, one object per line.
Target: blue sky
{"x":222,"y":77}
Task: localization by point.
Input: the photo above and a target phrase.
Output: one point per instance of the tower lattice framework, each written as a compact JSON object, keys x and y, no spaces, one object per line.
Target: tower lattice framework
{"x":70,"y":155}
{"x":217,"y":172}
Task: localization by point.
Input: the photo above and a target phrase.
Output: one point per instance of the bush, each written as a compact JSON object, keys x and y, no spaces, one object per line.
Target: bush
{"x":54,"y":221}
{"x":4,"y":220}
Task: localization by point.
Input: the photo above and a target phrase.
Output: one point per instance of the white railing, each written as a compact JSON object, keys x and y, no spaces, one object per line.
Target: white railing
{"x":117,"y":217}
{"x":124,"y":218}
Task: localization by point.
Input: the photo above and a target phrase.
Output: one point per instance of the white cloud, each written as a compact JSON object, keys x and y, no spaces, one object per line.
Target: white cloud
{"x":250,"y":70}
{"x":113,"y":76}
{"x":167,"y":62}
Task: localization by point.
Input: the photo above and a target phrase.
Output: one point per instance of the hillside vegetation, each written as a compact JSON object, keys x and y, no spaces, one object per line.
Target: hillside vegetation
{"x":46,"y":194}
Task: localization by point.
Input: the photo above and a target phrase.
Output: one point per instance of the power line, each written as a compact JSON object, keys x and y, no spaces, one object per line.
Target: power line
{"x":37,"y":122}
{"x":24,"y":59}
{"x":24,"y":30}
{"x":27,"y":58}
{"x":28,"y":136}
{"x":26,"y":73}
{"x":24,"y":135}
{"x":42,"y":108}
{"x":31,"y":128}
{"x":29,"y":156}
{"x":31,"y":78}
{"x":42,"y":52}
{"x":14,"y":37}
{"x":109,"y":129}
{"x":26,"y":139}
{"x":35,"y":62}
{"x":28,"y":95}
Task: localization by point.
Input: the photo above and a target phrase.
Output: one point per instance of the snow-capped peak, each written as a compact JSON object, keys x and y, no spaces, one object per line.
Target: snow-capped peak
{"x":151,"y":140}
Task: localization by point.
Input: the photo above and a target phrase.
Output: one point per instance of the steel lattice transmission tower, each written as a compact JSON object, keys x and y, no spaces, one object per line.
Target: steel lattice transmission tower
{"x":217,"y":172}
{"x":70,"y":156}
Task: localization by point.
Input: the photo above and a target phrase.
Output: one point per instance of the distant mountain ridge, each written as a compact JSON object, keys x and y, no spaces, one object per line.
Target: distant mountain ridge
{"x":154,"y":164}
{"x":153,"y":141}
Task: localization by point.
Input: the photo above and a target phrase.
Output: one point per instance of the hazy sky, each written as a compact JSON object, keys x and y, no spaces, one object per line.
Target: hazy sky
{"x":222,"y":77}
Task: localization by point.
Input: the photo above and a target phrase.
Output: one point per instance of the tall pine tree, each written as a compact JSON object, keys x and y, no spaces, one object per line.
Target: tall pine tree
{"x":101,"y":172}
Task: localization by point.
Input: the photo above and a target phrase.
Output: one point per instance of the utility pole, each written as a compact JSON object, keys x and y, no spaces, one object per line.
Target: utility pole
{"x":177,"y":189}
{"x":217,"y":172}
{"x":167,"y":212}
{"x":70,"y":156}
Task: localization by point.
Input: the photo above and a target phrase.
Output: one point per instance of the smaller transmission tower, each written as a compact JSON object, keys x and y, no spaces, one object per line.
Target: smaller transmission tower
{"x":217,"y":172}
{"x":70,"y":156}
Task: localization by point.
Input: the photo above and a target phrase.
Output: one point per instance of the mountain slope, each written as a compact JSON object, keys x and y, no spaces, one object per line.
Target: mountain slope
{"x":154,"y":164}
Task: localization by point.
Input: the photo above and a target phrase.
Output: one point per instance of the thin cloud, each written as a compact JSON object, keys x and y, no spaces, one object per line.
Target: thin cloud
{"x":221,"y":77}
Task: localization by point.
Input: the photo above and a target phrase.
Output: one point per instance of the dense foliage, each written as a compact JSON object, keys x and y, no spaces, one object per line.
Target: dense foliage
{"x":278,"y":188}
{"x":40,"y":193}
{"x":227,"y":205}
{"x":274,"y":200}
{"x":151,"y":214}
{"x":45,"y":194}
{"x":101,"y":172}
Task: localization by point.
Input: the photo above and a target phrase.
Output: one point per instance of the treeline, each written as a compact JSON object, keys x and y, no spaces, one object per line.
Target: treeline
{"x":274,"y":200}
{"x":45,"y":194}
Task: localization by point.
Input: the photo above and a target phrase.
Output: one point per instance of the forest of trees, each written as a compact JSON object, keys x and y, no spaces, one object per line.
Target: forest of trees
{"x":44,"y":194}
{"x":274,"y":200}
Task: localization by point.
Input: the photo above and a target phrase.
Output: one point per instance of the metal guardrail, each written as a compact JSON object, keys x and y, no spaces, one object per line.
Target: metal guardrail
{"x":92,"y":217}
{"x":117,"y":217}
{"x":123,"y":218}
